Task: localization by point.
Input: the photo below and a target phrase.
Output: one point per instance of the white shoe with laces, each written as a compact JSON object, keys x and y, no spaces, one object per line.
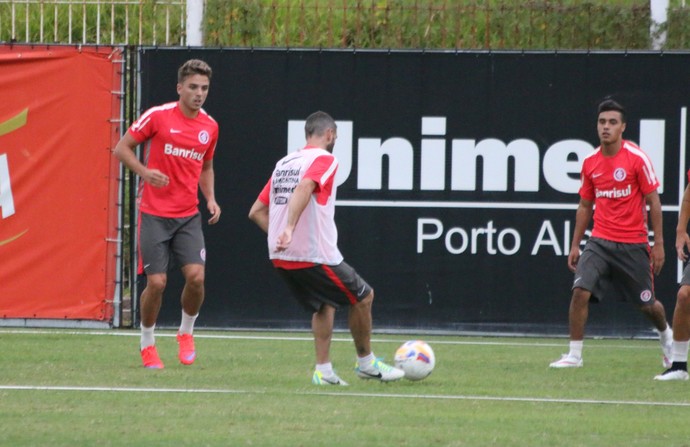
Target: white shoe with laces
{"x":567,"y":361}
{"x":379,"y":371}
{"x":320,"y":379}
{"x":675,"y":374}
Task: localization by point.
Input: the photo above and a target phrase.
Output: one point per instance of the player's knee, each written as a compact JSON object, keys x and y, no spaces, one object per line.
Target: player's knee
{"x":194,"y":276}
{"x":683,"y":296}
{"x":156,"y":283}
{"x":581,"y":296}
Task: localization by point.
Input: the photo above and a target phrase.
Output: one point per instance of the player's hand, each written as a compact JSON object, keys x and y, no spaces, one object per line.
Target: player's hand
{"x":573,"y":257}
{"x":214,"y":209}
{"x":156,"y":178}
{"x":682,"y":245}
{"x":658,"y":257}
{"x":284,"y":240}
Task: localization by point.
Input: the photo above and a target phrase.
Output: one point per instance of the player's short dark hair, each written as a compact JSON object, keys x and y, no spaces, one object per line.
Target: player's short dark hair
{"x":192,"y":67}
{"x":318,"y":123}
{"x":612,"y":105}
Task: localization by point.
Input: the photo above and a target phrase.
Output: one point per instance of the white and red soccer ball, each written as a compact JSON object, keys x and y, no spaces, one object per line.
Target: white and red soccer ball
{"x":416,"y":358}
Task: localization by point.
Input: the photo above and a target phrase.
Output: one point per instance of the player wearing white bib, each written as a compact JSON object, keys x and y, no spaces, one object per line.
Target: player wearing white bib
{"x":296,"y":209}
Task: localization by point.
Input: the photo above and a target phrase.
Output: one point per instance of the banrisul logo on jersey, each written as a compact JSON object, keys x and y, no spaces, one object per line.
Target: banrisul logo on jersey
{"x":474,"y":196}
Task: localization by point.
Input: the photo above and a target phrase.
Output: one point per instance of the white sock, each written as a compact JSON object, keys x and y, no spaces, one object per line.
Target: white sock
{"x":576,"y":348}
{"x":187,"y":323}
{"x":325,"y":368}
{"x":666,"y":336}
{"x":147,"y":338}
{"x":363,"y":362}
{"x":680,"y":351}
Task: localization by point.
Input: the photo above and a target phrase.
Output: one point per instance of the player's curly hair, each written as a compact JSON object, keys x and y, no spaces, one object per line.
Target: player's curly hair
{"x":192,"y":67}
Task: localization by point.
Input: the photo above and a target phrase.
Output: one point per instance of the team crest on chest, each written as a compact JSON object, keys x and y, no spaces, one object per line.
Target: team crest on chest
{"x":203,"y":137}
{"x":619,"y":174}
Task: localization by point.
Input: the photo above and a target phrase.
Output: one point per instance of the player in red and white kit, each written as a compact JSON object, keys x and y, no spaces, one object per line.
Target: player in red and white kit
{"x":296,"y":209}
{"x":681,"y":315}
{"x":617,"y":261}
{"x":180,"y":142}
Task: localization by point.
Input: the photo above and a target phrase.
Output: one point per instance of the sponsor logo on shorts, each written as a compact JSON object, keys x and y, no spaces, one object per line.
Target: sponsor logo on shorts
{"x":646,"y":295}
{"x":202,"y":254}
{"x":203,"y":137}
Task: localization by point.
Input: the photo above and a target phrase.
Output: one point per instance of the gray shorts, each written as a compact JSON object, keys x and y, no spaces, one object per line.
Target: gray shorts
{"x":616,"y":270}
{"x":163,"y":237}
{"x":336,"y":285}
{"x":685,"y":280}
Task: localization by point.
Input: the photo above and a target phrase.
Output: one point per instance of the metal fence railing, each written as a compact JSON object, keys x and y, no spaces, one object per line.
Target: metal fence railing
{"x":100,"y":22}
{"x":429,"y":24}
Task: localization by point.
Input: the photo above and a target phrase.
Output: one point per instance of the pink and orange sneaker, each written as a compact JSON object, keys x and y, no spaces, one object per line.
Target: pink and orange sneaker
{"x":186,"y":353}
{"x":149,"y":356}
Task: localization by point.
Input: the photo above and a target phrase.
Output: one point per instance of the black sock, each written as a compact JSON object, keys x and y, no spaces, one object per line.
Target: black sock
{"x":683,"y":366}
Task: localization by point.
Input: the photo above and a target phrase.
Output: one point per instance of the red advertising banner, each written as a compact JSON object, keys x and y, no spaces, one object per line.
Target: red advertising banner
{"x":58,"y":181}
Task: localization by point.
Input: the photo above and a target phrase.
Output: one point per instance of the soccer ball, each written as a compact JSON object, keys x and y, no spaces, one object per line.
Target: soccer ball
{"x":416,"y":358}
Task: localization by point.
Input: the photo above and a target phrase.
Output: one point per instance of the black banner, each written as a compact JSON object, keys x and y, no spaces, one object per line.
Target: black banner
{"x":458,"y":177}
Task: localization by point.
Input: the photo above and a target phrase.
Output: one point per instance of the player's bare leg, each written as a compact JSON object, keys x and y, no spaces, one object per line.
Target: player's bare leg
{"x":152,"y":297}
{"x":359,"y":320}
{"x":681,"y":315}
{"x":578,"y":313}
{"x":150,"y":304}
{"x":368,"y":366}
{"x":193,"y":292}
{"x":577,"y":317}
{"x":681,"y":336}
{"x":322,"y":329}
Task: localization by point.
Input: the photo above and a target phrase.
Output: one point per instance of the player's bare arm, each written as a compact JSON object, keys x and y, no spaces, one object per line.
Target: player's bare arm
{"x":206,"y":184}
{"x":585,"y":209}
{"x":124,"y":151}
{"x":298,"y":202}
{"x":259,"y":215}
{"x":682,"y":238}
{"x":658,"y":254}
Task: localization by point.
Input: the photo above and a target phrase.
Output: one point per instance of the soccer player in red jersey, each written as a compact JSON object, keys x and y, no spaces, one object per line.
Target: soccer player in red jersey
{"x":617,"y":261}
{"x":681,"y":315}
{"x":180,"y":142}
{"x":296,"y":209}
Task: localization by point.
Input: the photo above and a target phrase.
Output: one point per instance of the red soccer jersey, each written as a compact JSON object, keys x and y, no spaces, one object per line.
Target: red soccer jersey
{"x":617,"y":186}
{"x":177,"y":146}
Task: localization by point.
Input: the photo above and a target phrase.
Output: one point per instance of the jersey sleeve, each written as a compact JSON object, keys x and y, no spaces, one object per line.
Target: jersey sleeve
{"x":212,"y":146}
{"x":586,"y":186}
{"x":265,"y":195}
{"x":322,"y":172}
{"x":646,"y":177}
{"x":145,"y":127}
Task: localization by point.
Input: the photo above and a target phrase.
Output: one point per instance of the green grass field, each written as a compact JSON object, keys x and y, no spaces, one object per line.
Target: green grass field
{"x":85,"y":388}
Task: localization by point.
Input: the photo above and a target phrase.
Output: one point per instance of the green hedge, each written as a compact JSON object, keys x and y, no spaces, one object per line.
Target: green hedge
{"x":431,"y":24}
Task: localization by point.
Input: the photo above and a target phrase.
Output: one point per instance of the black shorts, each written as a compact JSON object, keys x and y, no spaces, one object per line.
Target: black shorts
{"x":162,"y":237}
{"x":616,"y":270}
{"x":336,"y":285}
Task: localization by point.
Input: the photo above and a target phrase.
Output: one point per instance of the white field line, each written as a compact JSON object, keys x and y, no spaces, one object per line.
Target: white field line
{"x":344,"y":394}
{"x":308,"y":338}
